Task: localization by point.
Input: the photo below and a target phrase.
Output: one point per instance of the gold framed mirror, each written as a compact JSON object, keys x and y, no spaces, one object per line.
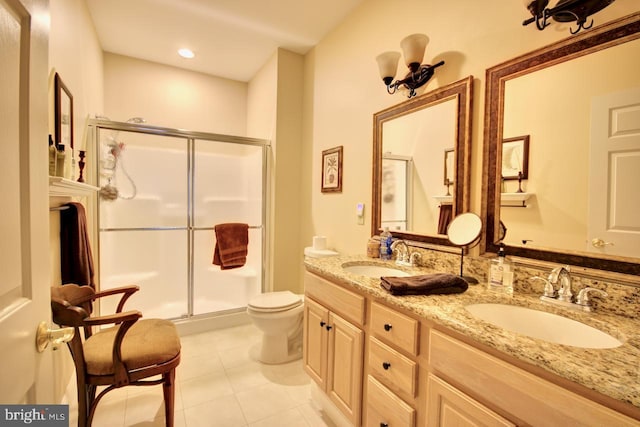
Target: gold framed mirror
{"x":563,"y":201}
{"x":420,"y":134}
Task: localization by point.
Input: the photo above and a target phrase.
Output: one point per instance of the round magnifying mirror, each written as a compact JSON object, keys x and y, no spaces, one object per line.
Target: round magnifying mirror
{"x":464,"y":229}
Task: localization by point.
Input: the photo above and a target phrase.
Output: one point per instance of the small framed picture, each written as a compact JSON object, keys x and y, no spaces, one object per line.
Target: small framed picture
{"x":449,"y":166}
{"x":332,"y":170}
{"x":63,"y":113}
{"x":515,"y":158}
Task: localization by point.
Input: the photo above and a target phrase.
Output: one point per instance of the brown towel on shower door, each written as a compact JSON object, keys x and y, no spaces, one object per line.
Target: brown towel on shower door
{"x":446,"y":213}
{"x":231,"y":245}
{"x":76,"y":260}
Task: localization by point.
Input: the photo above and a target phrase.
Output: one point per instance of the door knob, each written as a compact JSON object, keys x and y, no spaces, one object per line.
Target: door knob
{"x":599,"y":243}
{"x":44,"y":336}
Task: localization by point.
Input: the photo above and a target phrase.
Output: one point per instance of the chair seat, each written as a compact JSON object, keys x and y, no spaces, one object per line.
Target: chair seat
{"x":149,"y":342}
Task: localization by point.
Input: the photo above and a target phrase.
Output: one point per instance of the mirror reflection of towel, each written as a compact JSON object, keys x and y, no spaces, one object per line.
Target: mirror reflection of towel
{"x":76,"y":260}
{"x":232,"y":242}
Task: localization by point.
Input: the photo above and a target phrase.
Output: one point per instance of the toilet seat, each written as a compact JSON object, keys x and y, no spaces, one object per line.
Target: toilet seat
{"x":273,"y":302}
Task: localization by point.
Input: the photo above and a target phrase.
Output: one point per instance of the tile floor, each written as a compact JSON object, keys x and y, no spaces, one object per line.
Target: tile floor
{"x":219,"y":384}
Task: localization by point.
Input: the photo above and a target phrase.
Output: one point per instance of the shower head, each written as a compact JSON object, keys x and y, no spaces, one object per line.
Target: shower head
{"x":136,"y":120}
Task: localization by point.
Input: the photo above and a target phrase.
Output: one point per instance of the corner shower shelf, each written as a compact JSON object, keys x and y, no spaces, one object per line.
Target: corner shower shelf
{"x":510,"y":198}
{"x":62,"y":187}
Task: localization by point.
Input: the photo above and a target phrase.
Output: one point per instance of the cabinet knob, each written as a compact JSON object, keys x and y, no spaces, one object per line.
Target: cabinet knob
{"x":322,"y":323}
{"x":329,"y":327}
{"x":386,"y":365}
{"x":384,"y":425}
{"x":387,"y":327}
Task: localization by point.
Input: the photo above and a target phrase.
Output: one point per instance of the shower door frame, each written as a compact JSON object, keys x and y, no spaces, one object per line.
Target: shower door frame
{"x":96,"y":125}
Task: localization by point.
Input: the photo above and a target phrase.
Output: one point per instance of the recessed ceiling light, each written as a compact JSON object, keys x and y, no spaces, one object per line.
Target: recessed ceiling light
{"x":186,"y":53}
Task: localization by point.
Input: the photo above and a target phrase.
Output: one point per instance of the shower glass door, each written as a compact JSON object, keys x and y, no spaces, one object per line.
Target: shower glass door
{"x":143,"y":231}
{"x":227,"y":188}
{"x":163,"y":191}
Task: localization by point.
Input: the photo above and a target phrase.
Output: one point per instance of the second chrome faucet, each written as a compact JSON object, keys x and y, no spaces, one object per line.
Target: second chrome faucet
{"x":560,"y":277}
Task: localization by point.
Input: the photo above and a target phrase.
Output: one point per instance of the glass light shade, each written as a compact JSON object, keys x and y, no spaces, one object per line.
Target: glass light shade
{"x":388,"y":64}
{"x":413,"y":47}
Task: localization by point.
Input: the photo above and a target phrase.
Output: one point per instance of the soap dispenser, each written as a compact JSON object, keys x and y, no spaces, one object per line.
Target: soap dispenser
{"x":501,"y":273}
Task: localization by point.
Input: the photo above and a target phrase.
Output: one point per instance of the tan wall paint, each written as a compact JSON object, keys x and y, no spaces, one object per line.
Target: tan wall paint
{"x":275,"y":112}
{"x":173,"y":97}
{"x":75,"y":53}
{"x":343,"y":90}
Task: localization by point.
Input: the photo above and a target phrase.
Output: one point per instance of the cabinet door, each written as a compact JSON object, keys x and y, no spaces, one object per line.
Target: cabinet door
{"x":449,"y":407}
{"x":314,"y":349}
{"x":344,"y":382}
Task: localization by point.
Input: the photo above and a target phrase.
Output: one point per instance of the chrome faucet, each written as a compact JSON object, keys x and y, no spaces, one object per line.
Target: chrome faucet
{"x":563,"y":276}
{"x":402,"y":257}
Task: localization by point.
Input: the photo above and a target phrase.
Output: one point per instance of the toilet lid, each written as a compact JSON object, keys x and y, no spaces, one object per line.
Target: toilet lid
{"x":275,"y":301}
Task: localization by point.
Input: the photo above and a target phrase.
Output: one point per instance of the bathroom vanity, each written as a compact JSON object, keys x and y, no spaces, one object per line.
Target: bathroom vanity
{"x":427,"y":361}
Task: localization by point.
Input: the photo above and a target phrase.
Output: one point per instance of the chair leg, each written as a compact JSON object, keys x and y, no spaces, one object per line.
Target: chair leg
{"x":83,"y":406}
{"x":169,"y":389}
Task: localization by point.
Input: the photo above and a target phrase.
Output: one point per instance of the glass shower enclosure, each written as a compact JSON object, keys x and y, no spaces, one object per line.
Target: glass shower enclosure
{"x":162,"y":191}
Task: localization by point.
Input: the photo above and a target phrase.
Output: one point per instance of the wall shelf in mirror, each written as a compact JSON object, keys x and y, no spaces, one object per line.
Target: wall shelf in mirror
{"x":423,"y":130}
{"x":444,"y":199}
{"x":563,"y":128}
{"x":515,"y":200}
{"x":62,"y":187}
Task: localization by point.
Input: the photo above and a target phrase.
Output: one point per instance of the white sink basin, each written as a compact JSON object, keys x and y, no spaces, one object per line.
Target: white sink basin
{"x":542,"y":325}
{"x":375,"y":271}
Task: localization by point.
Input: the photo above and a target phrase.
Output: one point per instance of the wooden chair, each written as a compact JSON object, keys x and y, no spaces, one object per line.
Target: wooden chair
{"x":125,"y":354}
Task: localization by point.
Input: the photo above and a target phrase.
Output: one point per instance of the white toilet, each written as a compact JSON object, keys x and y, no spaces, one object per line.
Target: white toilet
{"x":279,"y":316}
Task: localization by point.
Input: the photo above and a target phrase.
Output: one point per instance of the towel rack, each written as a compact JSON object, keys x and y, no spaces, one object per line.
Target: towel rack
{"x":213,"y":228}
{"x":59,"y":208}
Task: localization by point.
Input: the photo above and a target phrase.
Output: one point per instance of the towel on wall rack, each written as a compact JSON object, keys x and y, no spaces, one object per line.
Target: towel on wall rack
{"x":76,"y":259}
{"x":232,"y":240}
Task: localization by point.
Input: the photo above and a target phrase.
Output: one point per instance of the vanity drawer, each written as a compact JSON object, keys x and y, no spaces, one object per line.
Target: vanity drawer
{"x":385,"y":408}
{"x":394,"y":369}
{"x":346,"y":303}
{"x":394,"y":327}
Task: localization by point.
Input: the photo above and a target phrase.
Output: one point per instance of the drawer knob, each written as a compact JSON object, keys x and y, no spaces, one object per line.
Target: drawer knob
{"x":386,"y":365}
{"x":322,"y":323}
{"x":384,"y":425}
{"x":387,"y":327}
{"x":329,"y":327}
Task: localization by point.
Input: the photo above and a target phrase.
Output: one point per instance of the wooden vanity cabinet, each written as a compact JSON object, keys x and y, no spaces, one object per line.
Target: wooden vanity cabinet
{"x":333,"y":349}
{"x":461,"y":376}
{"x":383,"y":366}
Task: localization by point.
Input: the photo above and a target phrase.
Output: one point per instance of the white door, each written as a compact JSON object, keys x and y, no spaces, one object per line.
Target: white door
{"x":25,"y":374}
{"x":614,"y":197}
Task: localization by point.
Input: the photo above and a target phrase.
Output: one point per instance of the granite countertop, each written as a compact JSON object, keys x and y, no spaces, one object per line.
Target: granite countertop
{"x":613,"y":372}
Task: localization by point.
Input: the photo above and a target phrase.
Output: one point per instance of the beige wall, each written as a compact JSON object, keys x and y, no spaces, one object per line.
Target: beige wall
{"x":75,"y":53}
{"x":173,"y":97}
{"x":343,"y":90}
{"x":275,"y":113}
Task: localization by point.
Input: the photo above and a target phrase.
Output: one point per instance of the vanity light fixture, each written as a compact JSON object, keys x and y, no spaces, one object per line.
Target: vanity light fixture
{"x":186,"y":53}
{"x":413,"y":48}
{"x":564,"y":11}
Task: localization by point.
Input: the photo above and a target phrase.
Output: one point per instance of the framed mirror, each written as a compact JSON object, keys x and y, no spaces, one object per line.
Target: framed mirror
{"x":575,"y":101}
{"x":63,"y":113}
{"x":414,"y":145}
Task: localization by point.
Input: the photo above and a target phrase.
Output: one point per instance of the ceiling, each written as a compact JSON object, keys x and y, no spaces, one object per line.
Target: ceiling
{"x":231,"y":38}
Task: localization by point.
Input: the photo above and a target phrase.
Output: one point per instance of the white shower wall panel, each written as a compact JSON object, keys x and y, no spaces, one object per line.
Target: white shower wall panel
{"x":154,"y":260}
{"x":216,"y":289}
